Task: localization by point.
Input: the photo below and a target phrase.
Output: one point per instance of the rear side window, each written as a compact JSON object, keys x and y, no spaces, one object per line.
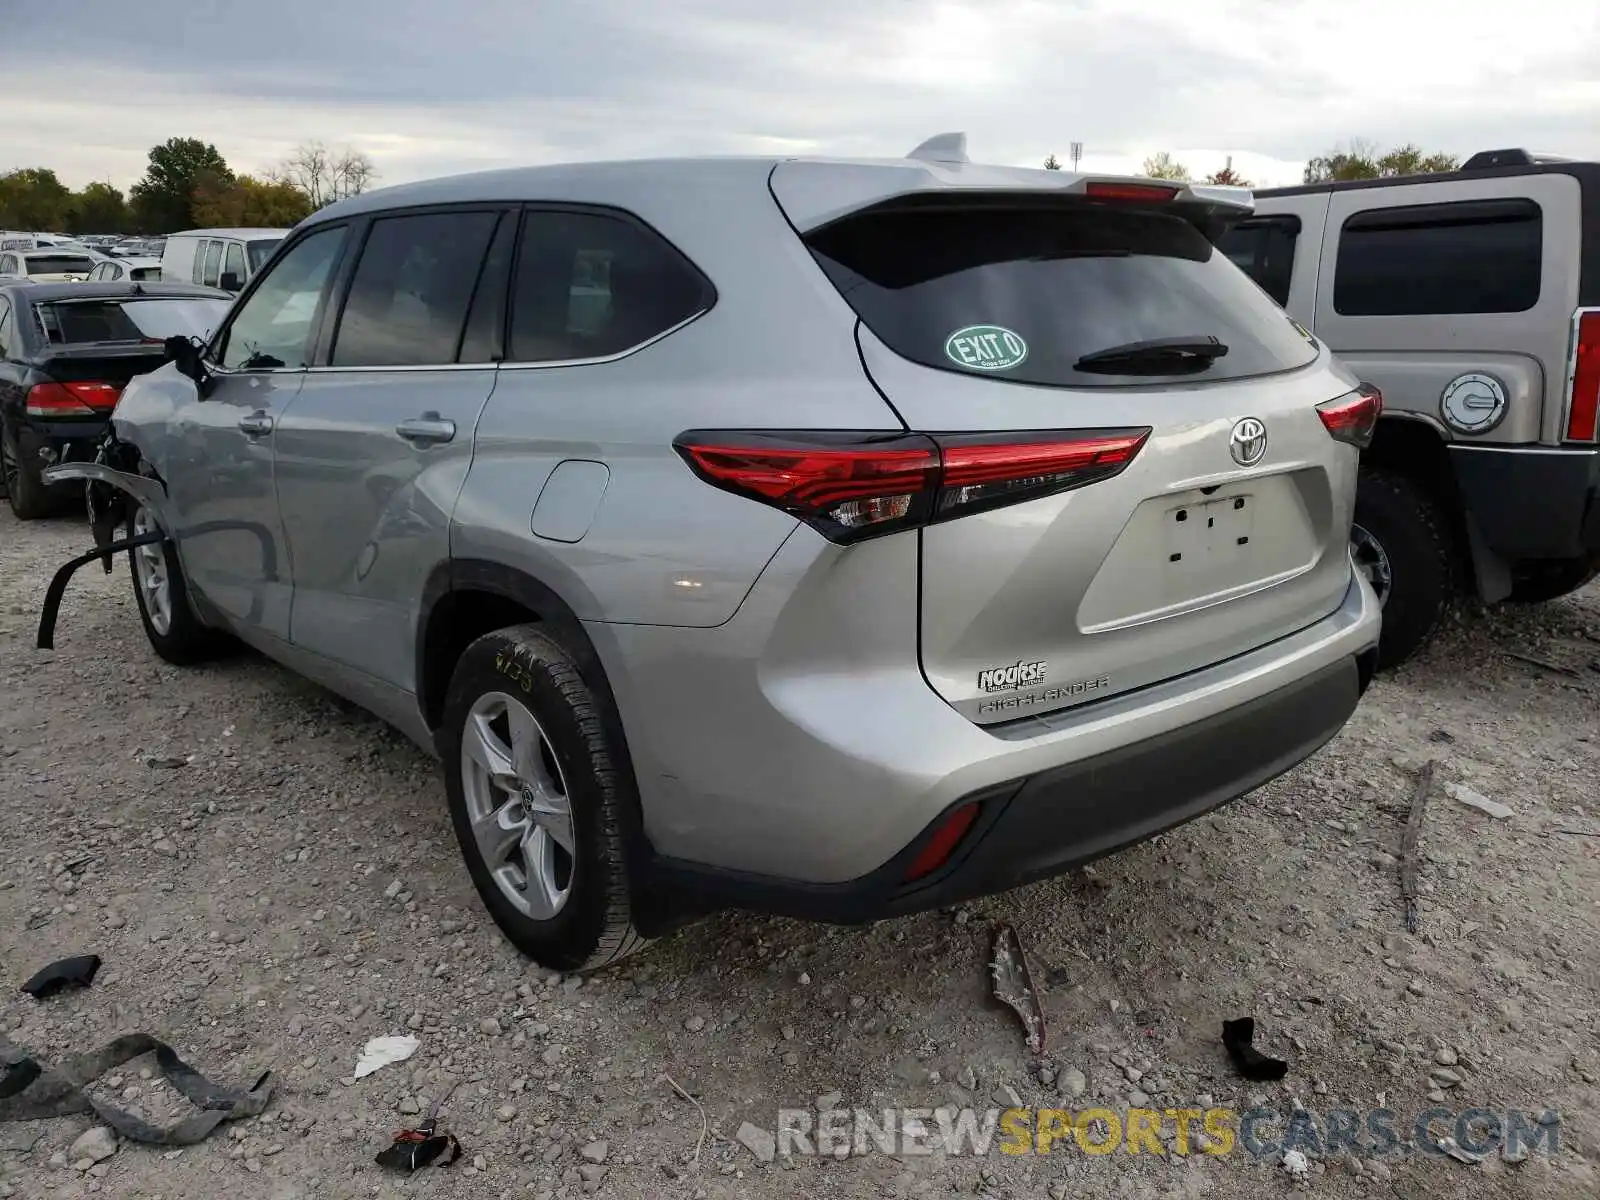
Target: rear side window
{"x":213,"y":267}
{"x":590,"y":285}
{"x":1263,"y":248}
{"x":408,"y":299}
{"x":1479,"y":256}
{"x":198,"y":266}
{"x":1024,"y":294}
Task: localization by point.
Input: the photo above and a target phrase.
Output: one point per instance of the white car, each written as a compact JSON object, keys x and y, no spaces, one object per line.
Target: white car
{"x":136,"y":270}
{"x":45,"y":265}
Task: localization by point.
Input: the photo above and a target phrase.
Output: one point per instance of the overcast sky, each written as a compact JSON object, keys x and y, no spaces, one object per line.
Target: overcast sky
{"x":429,"y":88}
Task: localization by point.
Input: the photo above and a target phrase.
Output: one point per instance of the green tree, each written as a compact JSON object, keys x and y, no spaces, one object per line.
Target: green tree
{"x":33,"y":199}
{"x":99,"y":208}
{"x":1164,"y":166}
{"x":164,"y":199}
{"x":250,"y":202}
{"x":1052,"y":163}
{"x":1362,"y":160}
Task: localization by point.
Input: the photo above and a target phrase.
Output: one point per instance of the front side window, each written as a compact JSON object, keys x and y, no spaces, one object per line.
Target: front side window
{"x":213,"y":269}
{"x":8,"y":265}
{"x":260,"y":250}
{"x":1475,"y":256}
{"x":591,"y":285}
{"x":272,"y":328}
{"x":6,"y":327}
{"x":408,"y":298}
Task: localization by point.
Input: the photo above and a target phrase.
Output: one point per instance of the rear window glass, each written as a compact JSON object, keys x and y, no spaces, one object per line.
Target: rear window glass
{"x":73,"y":322}
{"x":1480,"y":256}
{"x":58,"y":264}
{"x":1043,"y":287}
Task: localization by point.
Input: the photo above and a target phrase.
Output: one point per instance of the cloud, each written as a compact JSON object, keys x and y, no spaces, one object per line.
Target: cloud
{"x":428,"y":88}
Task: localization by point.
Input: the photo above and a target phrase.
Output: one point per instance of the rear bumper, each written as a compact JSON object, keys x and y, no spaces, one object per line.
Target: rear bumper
{"x":801,"y":768}
{"x":1532,"y":502}
{"x":1057,"y":819}
{"x":74,"y":441}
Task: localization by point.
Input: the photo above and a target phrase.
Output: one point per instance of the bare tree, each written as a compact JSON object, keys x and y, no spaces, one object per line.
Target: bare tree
{"x":326,"y":175}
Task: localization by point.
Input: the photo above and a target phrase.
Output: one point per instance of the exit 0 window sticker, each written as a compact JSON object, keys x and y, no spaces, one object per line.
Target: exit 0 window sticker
{"x":986,"y":348}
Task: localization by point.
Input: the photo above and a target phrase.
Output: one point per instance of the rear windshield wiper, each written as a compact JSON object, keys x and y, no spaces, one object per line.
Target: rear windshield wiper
{"x":1155,"y":356}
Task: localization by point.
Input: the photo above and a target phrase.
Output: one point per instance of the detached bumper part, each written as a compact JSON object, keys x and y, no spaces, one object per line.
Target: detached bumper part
{"x":1051,"y":822}
{"x":58,"y":583}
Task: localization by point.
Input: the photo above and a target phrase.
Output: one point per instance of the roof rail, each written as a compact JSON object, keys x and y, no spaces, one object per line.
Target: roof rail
{"x":942,"y":148}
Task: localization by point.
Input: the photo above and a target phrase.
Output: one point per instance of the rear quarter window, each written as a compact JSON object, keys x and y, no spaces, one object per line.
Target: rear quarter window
{"x":1063,"y":280}
{"x":1477,"y":256}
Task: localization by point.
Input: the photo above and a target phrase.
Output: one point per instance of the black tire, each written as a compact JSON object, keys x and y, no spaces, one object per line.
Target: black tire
{"x":1536,"y":583}
{"x":185,"y":641}
{"x":594,"y":927}
{"x":1407,"y":523}
{"x":19,"y":479}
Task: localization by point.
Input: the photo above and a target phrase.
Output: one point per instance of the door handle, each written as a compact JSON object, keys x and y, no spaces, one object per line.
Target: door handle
{"x":427,"y":430}
{"x":256,"y":423}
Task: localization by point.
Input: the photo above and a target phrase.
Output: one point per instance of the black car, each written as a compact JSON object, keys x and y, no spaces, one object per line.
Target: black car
{"x":66,"y":351}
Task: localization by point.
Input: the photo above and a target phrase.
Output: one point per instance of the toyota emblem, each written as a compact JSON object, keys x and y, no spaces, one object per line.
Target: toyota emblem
{"x":1248,"y":441}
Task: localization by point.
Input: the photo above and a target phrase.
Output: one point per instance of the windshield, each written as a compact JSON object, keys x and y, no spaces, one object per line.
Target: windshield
{"x":149,"y":319}
{"x":58,"y":264}
{"x":1051,"y":286}
{"x":260,"y":250}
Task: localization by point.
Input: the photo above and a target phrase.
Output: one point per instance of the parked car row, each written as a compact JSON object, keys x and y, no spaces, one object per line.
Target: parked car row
{"x":842,"y":540}
{"x":218,"y":258}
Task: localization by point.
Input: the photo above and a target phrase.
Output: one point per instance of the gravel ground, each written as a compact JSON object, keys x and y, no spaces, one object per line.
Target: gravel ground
{"x":282,"y":885}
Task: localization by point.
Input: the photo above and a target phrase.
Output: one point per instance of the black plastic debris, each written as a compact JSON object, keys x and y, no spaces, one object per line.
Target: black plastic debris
{"x":77,"y":971}
{"x":31,"y":1090}
{"x":1239,"y":1036}
{"x":414,"y":1149}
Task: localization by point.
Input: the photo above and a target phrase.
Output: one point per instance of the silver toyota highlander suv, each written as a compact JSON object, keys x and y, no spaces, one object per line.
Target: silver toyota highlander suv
{"x":831,"y":538}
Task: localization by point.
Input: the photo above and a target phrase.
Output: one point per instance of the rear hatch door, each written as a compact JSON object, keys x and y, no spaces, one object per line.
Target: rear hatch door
{"x":984,"y":319}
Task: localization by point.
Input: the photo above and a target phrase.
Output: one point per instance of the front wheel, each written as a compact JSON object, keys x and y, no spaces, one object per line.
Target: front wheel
{"x":162,"y":597}
{"x":1402,"y":543}
{"x":538,"y":801}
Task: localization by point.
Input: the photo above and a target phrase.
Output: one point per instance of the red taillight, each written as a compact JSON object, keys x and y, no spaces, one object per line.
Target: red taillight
{"x":1583,"y":412}
{"x":1142,"y":193}
{"x":854,"y":485}
{"x":943,"y":842}
{"x":1002,"y":469}
{"x":1354,"y":417}
{"x":71,"y":399}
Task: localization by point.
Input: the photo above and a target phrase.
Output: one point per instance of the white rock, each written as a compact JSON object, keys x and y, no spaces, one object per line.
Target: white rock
{"x":96,"y":1145}
{"x":760,"y":1142}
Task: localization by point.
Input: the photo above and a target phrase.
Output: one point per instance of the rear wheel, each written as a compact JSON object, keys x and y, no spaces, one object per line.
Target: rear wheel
{"x":24,"y":489}
{"x":538,"y":801}
{"x":1534,"y":583}
{"x":175,"y":633}
{"x":1402,"y":543}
